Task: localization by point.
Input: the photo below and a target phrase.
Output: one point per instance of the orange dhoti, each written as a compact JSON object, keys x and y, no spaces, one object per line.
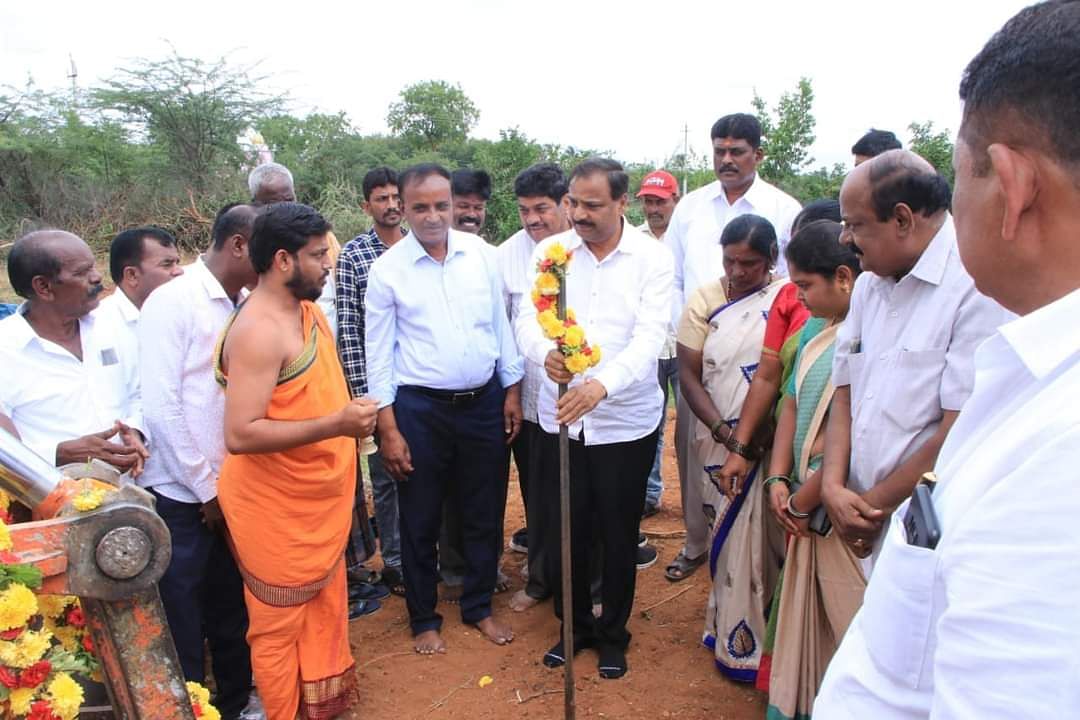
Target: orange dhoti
{"x":289,"y":515}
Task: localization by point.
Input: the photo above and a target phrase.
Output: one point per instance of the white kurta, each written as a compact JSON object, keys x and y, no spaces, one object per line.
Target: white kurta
{"x":985,"y":625}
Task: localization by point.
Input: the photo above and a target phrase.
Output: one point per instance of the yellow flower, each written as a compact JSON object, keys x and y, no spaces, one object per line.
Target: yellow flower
{"x":5,"y":500}
{"x":556,"y":253}
{"x":201,"y":696}
{"x":547,"y":284}
{"x":26,"y":650}
{"x":66,"y":696}
{"x":53,"y":606}
{"x":485,"y":681}
{"x":69,"y":637}
{"x":88,"y":499}
{"x":594,"y":359}
{"x":570,"y":314}
{"x":553,"y":327}
{"x":575,"y":336}
{"x":17,"y":605}
{"x":5,"y":536}
{"x":20,"y":699}
{"x":198,"y":693}
{"x":577,"y":363}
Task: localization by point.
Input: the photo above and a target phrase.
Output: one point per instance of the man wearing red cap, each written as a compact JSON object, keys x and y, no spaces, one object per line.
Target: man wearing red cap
{"x":659,"y":193}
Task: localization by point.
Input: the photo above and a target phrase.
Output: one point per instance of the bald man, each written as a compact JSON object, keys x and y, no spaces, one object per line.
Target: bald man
{"x":903,"y":363}
{"x":70,"y":388}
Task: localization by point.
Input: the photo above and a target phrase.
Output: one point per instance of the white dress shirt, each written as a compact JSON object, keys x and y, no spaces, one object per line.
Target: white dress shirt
{"x":985,"y":625}
{"x":123,"y":319}
{"x":437,"y":325}
{"x":52,"y":396}
{"x":515,"y":257}
{"x":670,"y":342}
{"x":623,"y":303}
{"x":907,"y":351}
{"x":698,"y":221}
{"x":178,"y":330}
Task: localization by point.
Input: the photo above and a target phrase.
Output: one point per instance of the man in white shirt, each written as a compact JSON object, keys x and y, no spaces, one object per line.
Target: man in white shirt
{"x":903,"y":361}
{"x":70,"y":387}
{"x":985,"y":624}
{"x":179,"y":327}
{"x":659,"y":195}
{"x":541,"y":200}
{"x":619,"y":286}
{"x":694,"y":238}
{"x":140,"y":260}
{"x":444,"y":369}
{"x":470,"y":191}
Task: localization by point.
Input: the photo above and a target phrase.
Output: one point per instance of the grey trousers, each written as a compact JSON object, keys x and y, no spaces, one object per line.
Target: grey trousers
{"x":690,"y":482}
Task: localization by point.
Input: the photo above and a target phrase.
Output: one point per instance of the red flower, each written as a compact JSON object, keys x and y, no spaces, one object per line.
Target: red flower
{"x":8,"y":557}
{"x":42,"y":710}
{"x":88,"y":643}
{"x":544,"y":303}
{"x":35,"y":674}
{"x":8,"y":678}
{"x":75,"y":617}
{"x":586,"y":350}
{"x":545,"y":265}
{"x":12,"y":633}
{"x":196,"y":709}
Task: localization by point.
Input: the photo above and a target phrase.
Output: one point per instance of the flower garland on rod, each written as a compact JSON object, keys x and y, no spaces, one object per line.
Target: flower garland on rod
{"x":569,"y":337}
{"x":44,"y":640}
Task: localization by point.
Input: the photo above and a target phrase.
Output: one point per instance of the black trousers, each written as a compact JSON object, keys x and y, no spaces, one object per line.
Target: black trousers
{"x":526,"y":451}
{"x":607,"y":495}
{"x":203,"y":596}
{"x":457,"y":452}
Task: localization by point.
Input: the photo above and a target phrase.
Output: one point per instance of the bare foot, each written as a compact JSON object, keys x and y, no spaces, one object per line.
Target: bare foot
{"x":522,"y":601}
{"x":429,"y":642}
{"x":495,"y":631}
{"x":451,"y":594}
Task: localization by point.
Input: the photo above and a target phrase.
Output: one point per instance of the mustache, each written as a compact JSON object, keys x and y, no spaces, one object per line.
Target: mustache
{"x":470,"y":219}
{"x":95,"y":290}
{"x":728,"y":168}
{"x":583,"y":223}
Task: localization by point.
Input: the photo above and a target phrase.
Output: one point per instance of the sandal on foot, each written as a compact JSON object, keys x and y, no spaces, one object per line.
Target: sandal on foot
{"x":683,"y":567}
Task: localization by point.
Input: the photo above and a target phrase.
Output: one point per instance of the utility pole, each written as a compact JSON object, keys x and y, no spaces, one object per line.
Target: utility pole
{"x":686,"y":156}
{"x":73,"y":76}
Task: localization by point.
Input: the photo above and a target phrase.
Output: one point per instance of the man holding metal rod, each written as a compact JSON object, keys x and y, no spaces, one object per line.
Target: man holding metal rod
{"x":618,"y":284}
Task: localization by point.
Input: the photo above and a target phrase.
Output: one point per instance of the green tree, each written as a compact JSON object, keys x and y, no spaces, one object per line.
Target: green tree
{"x":503,"y":160}
{"x":194,"y":110}
{"x":432,"y":114}
{"x":788,"y":131}
{"x":935,"y":147}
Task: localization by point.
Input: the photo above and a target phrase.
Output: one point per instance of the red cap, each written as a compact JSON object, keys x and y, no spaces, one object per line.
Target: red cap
{"x":660,"y":183}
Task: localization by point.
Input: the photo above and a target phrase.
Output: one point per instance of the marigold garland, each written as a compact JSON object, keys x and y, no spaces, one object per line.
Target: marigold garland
{"x":569,"y":337}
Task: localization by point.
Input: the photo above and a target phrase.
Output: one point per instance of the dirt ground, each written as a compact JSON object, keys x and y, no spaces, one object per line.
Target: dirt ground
{"x":671,"y":674}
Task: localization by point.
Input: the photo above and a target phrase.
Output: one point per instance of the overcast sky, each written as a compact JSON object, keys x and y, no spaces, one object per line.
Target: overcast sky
{"x":621,"y":76}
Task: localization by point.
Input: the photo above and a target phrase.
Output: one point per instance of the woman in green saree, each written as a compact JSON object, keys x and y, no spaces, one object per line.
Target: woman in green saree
{"x":823,"y":582}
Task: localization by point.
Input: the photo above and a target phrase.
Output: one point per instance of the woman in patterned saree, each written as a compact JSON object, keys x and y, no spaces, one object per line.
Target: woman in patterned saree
{"x":720,"y":342}
{"x":823,"y":582}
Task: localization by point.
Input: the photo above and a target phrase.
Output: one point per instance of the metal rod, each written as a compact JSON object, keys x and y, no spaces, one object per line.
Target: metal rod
{"x":564,"y":522}
{"x":24,"y":474}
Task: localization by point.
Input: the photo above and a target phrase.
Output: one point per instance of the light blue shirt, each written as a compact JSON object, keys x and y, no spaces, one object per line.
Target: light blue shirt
{"x":437,"y":325}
